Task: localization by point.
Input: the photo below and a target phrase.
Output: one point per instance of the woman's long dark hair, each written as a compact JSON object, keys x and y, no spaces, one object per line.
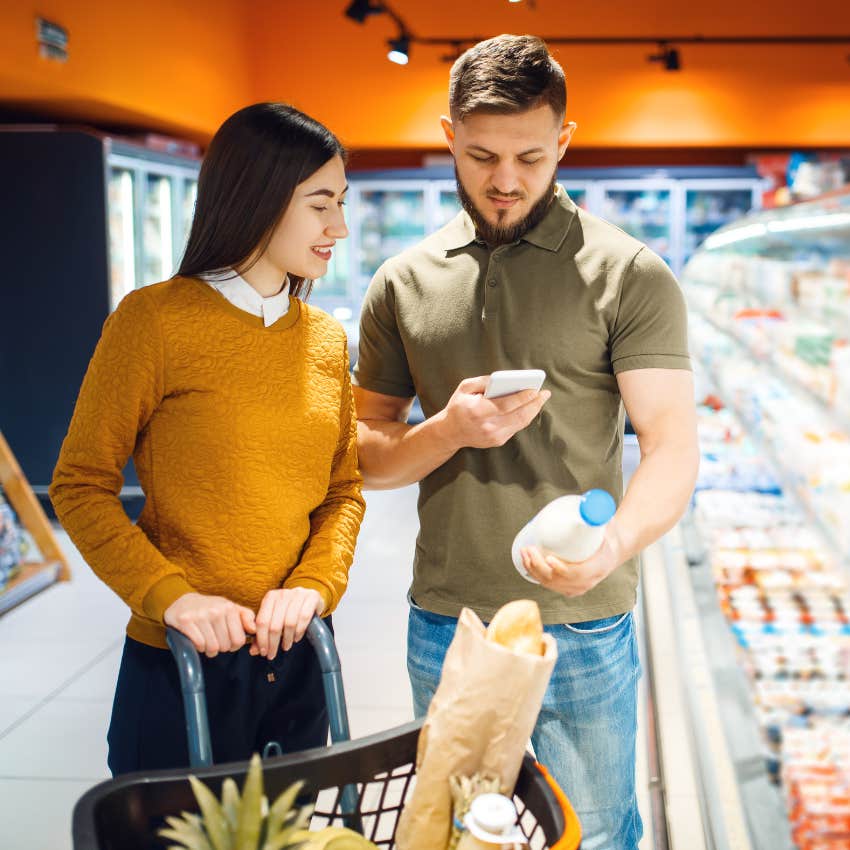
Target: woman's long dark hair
{"x":248,"y":176}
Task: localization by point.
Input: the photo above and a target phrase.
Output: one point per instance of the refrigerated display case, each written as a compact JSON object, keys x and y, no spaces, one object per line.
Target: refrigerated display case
{"x":643,"y":211}
{"x":768,"y":538}
{"x":390,"y":220}
{"x":671,"y":210}
{"x":90,"y":218}
{"x":389,"y":211}
{"x":151,"y":205}
{"x":708,"y":208}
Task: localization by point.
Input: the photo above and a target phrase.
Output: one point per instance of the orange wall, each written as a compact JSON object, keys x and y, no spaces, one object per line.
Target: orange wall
{"x":162,"y":64}
{"x":730,"y":96}
{"x":184,"y":65}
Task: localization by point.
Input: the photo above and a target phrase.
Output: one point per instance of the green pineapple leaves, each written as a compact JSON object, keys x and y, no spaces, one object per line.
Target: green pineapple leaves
{"x":251,"y":817}
{"x":240,"y":823}
{"x":215,"y":822}
{"x":188,"y":830}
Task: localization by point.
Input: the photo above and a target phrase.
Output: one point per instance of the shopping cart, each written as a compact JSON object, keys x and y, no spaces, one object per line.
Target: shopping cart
{"x":362,"y":783}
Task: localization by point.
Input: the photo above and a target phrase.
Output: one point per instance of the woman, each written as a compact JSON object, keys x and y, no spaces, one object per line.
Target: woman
{"x":233,"y":397}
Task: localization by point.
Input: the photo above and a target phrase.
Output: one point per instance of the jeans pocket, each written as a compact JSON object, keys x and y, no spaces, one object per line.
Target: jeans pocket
{"x":598,"y":627}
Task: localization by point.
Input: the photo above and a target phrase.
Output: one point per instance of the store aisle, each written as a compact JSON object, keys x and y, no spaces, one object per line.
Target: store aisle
{"x":60,"y":659}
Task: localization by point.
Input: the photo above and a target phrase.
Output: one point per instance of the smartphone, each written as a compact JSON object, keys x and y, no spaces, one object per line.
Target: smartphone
{"x":510,"y":381}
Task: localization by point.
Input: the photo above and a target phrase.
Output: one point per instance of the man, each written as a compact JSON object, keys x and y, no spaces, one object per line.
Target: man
{"x":523,"y":279}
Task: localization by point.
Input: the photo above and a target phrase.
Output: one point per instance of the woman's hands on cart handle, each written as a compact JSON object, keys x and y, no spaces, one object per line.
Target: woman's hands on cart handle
{"x":213,"y":623}
{"x":283,"y":618}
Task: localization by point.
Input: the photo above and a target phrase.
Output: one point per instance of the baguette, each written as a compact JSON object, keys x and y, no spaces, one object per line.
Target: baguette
{"x":518,"y":627}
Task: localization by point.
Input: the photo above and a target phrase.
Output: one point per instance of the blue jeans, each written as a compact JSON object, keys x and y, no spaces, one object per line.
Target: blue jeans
{"x":585,"y":734}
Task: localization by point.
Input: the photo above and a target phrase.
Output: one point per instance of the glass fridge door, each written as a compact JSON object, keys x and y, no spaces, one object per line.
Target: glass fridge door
{"x":157,"y":230}
{"x":391,"y":219}
{"x":448,"y":206}
{"x":334,"y":285}
{"x":122,"y":236}
{"x":708,"y":209}
{"x":643,"y":212}
{"x":578,"y":194}
{"x":187,"y":213}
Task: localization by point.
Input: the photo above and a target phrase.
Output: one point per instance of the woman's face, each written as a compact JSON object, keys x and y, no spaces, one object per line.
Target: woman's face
{"x":302,"y":243}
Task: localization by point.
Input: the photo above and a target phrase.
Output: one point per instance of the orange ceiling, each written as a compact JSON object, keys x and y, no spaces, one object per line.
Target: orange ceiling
{"x":183,"y":67}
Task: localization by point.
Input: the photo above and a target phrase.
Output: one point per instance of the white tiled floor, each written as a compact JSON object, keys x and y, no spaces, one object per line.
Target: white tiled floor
{"x":59,"y":662}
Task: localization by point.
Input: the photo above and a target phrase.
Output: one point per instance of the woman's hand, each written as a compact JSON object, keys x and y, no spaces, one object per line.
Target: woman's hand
{"x":213,"y":624}
{"x":283,"y":619}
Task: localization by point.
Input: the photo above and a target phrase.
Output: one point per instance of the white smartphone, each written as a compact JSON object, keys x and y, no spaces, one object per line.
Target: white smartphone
{"x":510,"y":381}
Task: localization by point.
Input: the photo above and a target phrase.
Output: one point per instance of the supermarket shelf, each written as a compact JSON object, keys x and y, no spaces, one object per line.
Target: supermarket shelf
{"x":835,"y":321}
{"x":32,"y":579}
{"x":716,"y":789}
{"x":761,"y":802}
{"x":836,"y":420}
{"x":795,"y":491}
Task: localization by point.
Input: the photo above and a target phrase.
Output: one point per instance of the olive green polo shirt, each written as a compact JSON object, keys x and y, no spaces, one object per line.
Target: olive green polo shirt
{"x":575,"y":296}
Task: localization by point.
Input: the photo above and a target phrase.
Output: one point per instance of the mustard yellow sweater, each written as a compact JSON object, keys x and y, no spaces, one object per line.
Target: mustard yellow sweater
{"x":244,"y":441}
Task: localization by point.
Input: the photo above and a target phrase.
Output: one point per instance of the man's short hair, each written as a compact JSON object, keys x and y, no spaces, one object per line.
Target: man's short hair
{"x":506,"y":75}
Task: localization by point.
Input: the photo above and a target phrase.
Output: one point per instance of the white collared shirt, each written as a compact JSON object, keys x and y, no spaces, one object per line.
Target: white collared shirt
{"x":241,"y":294}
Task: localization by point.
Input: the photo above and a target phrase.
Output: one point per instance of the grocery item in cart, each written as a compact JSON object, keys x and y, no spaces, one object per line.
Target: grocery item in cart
{"x":491,"y":824}
{"x":479,"y":720}
{"x":248,"y":822}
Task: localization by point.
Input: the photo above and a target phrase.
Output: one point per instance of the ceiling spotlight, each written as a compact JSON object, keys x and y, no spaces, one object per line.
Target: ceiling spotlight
{"x":399,"y":49}
{"x":359,"y":10}
{"x":668,"y":55}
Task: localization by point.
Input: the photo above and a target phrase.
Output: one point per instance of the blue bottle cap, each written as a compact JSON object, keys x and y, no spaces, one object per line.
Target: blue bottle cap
{"x":597,"y":507}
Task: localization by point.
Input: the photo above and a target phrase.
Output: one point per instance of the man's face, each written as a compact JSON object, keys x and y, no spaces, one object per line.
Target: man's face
{"x":506,"y":166}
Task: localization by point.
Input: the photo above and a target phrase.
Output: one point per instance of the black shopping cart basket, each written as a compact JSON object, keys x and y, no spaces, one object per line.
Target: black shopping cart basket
{"x":362,"y":784}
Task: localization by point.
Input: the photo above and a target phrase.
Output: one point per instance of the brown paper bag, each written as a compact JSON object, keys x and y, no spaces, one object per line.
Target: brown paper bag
{"x":480,"y":720}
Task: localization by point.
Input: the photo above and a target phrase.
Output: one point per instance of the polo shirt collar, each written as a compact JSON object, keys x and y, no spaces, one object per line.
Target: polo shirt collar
{"x":549,"y":234}
{"x":459,"y":232}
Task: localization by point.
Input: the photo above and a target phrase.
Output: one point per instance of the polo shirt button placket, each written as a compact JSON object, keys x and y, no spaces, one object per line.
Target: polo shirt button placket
{"x":491,"y":298}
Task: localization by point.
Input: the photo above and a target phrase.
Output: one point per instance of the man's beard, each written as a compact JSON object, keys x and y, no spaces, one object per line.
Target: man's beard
{"x":494,"y":234}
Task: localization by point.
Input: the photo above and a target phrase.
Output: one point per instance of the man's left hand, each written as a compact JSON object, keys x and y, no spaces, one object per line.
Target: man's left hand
{"x":573,"y":579}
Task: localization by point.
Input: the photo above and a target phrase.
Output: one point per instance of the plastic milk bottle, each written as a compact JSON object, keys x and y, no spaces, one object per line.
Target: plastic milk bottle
{"x":570,"y":527}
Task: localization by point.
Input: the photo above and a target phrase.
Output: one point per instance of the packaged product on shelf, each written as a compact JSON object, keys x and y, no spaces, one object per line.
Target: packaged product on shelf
{"x":770,"y":325}
{"x":787,"y":606}
{"x":10,"y":543}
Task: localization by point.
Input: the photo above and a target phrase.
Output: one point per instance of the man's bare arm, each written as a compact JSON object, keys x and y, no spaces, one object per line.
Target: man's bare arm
{"x":394,"y":454}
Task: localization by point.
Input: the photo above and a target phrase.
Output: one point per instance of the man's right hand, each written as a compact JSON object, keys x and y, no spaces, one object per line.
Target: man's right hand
{"x":213,"y":623}
{"x":470,"y":420}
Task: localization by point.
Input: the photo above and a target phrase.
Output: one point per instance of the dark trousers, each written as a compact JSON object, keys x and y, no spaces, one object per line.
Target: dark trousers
{"x":250,"y":701}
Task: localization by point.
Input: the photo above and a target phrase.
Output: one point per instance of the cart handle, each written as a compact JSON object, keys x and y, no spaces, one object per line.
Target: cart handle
{"x":194,"y":699}
{"x":571,"y":838}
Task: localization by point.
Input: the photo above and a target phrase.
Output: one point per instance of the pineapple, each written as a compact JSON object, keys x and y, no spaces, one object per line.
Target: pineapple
{"x":248,"y":823}
{"x":334,"y":838}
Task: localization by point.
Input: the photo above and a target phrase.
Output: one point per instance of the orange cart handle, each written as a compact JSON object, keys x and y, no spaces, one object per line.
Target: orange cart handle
{"x":571,"y":838}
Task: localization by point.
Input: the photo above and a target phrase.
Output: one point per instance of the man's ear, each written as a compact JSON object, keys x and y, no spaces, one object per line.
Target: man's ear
{"x":565,"y":137}
{"x":449,"y":130}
